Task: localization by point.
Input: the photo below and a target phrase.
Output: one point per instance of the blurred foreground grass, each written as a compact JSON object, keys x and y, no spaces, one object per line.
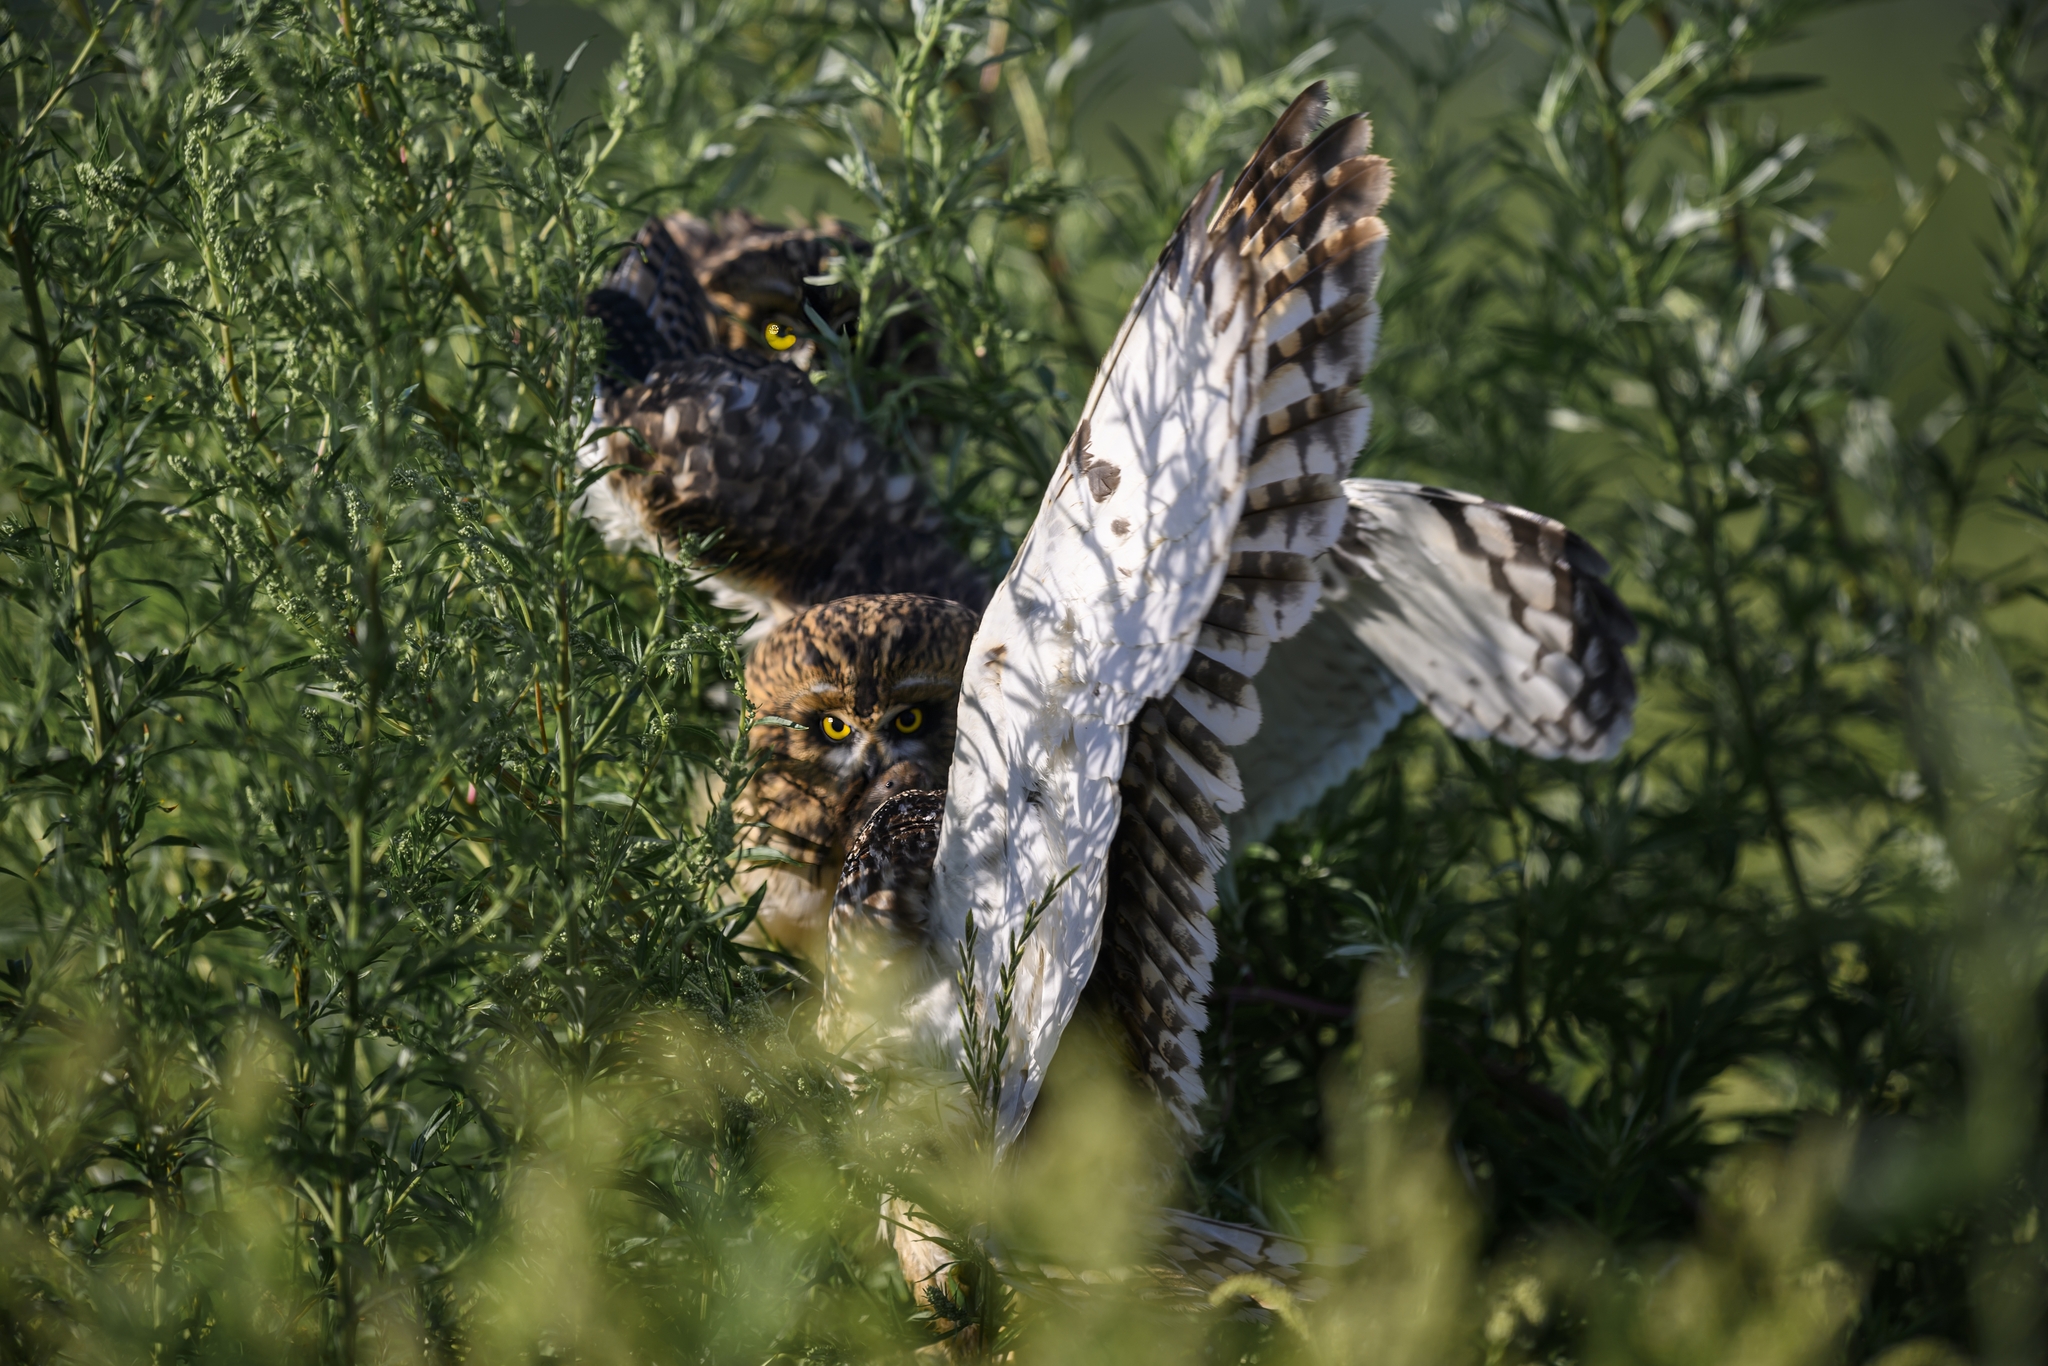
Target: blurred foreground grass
{"x":369,"y":987}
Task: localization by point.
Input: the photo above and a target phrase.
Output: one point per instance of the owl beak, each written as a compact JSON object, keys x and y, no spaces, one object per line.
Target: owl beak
{"x":894,"y":781}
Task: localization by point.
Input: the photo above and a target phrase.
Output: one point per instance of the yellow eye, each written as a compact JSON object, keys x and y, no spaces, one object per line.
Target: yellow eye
{"x":909,"y":719}
{"x":835,"y":729}
{"x":780,"y":337}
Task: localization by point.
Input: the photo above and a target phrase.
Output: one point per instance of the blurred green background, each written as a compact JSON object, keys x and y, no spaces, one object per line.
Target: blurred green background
{"x":1892,"y":64}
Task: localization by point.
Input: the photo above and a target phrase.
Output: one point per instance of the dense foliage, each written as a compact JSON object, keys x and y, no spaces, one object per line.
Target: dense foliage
{"x":366,"y":829}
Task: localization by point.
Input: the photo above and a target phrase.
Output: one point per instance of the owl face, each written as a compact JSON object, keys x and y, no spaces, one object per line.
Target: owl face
{"x":758,"y":279}
{"x":856,"y":700}
{"x":761,"y":282}
{"x":764,"y":311}
{"x":841,"y":742}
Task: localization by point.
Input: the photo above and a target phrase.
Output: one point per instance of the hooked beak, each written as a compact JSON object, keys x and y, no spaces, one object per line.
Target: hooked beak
{"x":894,"y":781}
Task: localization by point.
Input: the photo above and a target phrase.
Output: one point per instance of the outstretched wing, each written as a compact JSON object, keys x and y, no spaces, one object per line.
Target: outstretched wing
{"x":807,"y":505}
{"x":1329,"y":701}
{"x":1174,"y":546}
{"x":1500,"y":621}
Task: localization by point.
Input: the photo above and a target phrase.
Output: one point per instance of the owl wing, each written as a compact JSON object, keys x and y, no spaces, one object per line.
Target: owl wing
{"x":1499,"y":620}
{"x":1329,"y":701}
{"x":806,"y":503}
{"x":1173,"y":548}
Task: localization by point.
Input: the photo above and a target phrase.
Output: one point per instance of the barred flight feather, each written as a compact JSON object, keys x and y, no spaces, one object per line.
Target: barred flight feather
{"x":1309,"y":210}
{"x":1500,"y":620}
{"x":1497,"y":619}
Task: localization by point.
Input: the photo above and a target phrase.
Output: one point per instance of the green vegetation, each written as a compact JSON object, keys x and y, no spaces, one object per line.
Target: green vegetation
{"x":369,"y":989}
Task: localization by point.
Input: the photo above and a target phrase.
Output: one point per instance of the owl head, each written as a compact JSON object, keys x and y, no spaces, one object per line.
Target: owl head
{"x":761,"y":281}
{"x":758,"y":278}
{"x":856,"y":699}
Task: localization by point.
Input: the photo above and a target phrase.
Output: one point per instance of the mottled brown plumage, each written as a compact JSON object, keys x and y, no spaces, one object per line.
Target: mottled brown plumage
{"x":878,"y":944}
{"x":864,"y":664}
{"x":737,"y":443}
{"x":756,"y":273}
{"x":807,"y":505}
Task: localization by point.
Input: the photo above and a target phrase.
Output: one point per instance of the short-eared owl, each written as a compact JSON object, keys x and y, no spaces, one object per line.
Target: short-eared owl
{"x":708,"y":437}
{"x":871,"y":684}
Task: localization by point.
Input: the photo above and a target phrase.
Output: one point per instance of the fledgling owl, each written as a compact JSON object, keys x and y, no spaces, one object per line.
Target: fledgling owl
{"x":708,"y":424}
{"x":857,"y":700}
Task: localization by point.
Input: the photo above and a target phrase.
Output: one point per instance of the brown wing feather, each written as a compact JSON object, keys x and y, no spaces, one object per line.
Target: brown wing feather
{"x":878,"y":943}
{"x":657,"y":277}
{"x":807,"y":505}
{"x":1310,"y":221}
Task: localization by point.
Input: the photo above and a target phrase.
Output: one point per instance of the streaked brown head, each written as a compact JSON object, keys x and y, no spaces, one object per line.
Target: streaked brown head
{"x":857,"y":700}
{"x":759,"y":279}
{"x":762,"y":281}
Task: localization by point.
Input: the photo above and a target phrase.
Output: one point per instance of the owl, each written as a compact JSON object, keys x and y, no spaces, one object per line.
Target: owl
{"x":1207,"y":626}
{"x":760,"y":280}
{"x":857,"y":698}
{"x":707,"y":425}
{"x":763,"y":283}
